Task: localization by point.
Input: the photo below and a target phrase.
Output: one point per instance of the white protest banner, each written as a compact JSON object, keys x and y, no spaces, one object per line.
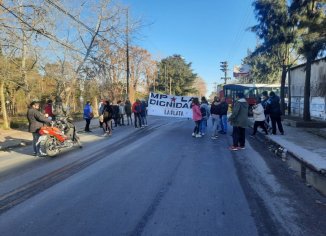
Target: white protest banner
{"x":169,"y":105}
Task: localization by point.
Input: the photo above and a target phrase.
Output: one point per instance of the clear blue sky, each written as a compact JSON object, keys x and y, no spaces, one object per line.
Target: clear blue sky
{"x":204,"y":32}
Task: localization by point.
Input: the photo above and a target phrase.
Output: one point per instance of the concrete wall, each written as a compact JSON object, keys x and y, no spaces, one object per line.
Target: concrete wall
{"x":317,"y":91}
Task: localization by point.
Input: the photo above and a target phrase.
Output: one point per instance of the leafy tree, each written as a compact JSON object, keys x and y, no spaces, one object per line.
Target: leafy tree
{"x":264,"y":68}
{"x":310,"y":19}
{"x":277,"y":33}
{"x":175,"y":76}
{"x":200,"y":87}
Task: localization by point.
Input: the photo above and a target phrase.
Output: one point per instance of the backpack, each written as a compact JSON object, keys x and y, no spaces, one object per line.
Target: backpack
{"x":138,"y":108}
{"x":107,"y":114}
{"x":203,"y":111}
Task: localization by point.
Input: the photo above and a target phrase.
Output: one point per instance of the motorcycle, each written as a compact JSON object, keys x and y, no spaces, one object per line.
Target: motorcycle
{"x":61,"y":134}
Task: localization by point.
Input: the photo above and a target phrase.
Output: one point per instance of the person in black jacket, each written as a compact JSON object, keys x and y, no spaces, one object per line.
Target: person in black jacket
{"x":264,"y":104}
{"x":107,"y":113}
{"x":36,"y":120}
{"x":223,"y":116}
{"x":215,"y":114}
{"x":273,"y":108}
{"x":115,"y":117}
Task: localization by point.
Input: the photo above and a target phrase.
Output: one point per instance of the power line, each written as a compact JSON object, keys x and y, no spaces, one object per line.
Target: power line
{"x":236,"y":38}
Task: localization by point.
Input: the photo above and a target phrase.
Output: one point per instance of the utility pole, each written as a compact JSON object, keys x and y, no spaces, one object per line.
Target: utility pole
{"x":165,"y":78}
{"x":127,"y":50}
{"x":224,"y":68}
{"x":215,"y":87}
{"x":170,"y":84}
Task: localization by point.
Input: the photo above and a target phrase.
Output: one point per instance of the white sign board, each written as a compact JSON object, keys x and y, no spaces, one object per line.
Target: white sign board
{"x":169,"y":105}
{"x":317,"y":107}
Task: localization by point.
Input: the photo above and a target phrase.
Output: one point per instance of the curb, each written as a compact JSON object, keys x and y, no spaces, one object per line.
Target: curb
{"x":281,"y":151}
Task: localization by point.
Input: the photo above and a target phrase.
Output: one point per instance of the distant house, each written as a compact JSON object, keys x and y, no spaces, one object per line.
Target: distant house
{"x":317,"y":90}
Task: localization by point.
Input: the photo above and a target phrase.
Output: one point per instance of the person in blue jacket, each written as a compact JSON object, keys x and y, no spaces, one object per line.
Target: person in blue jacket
{"x":88,"y":115}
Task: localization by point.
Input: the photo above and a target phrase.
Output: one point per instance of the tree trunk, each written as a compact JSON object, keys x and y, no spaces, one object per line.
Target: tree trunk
{"x":283,"y":78}
{"x":306,"y":104}
{"x":289,"y":92}
{"x":95,"y":106}
{"x":3,"y":105}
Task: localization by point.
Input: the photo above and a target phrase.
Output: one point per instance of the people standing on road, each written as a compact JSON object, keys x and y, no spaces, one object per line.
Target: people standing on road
{"x":88,"y":115}
{"x":136,"y":109}
{"x":116,"y":117}
{"x":196,"y":116}
{"x":143,"y":112}
{"x":274,"y":110}
{"x":205,"y":113}
{"x":107,"y":118}
{"x":264,"y":104}
{"x":259,"y":117}
{"x":215,"y":113}
{"x":224,"y":106}
{"x":48,"y":110}
{"x":100,"y":112}
{"x":35,"y":121}
{"x":122,"y":113}
{"x":239,"y":121}
{"x":128,"y":111}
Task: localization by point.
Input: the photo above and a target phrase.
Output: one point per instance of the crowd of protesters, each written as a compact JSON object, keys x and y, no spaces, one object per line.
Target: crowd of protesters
{"x":267,"y":109}
{"x":119,"y":114}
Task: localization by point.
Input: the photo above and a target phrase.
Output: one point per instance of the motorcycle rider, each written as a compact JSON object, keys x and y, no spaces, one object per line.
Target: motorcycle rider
{"x":36,"y":120}
{"x":58,"y":109}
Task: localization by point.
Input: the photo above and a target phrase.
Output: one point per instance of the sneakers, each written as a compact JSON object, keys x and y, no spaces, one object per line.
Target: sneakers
{"x":214,"y":137}
{"x":234,"y":148}
{"x":193,"y":134}
{"x":41,"y":155}
{"x":242,"y":147}
{"x":198,"y":136}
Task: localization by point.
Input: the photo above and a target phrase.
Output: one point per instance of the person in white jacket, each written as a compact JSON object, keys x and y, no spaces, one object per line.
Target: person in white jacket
{"x":259,"y":117}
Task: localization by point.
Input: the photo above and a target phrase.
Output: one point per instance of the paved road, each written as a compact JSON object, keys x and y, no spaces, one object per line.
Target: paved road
{"x":156,"y":181}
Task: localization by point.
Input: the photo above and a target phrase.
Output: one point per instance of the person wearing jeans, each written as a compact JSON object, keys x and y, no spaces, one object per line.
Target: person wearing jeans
{"x":223,"y":116}
{"x":215,"y":113}
{"x":196,"y":117}
{"x":36,"y":120}
{"x":205,"y":112}
{"x":136,"y":109}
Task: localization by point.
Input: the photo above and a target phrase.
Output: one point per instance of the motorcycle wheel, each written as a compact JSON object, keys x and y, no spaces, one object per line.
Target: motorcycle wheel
{"x":51,"y":146}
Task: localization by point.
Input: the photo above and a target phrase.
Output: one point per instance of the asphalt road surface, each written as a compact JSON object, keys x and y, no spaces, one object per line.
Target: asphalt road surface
{"x":156,"y":181}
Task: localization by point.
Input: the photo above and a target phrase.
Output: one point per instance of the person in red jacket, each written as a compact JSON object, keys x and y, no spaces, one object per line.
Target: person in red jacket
{"x":136,"y":109}
{"x":48,"y":109}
